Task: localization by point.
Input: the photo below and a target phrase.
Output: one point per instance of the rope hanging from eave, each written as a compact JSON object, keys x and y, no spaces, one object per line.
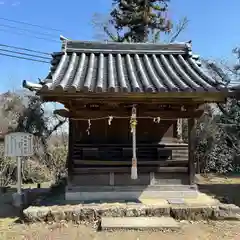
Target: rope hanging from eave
{"x":133,"y":124}
{"x":180,"y":129}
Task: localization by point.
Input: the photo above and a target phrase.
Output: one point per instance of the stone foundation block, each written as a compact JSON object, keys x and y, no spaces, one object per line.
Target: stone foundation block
{"x":226,"y":212}
{"x":92,"y":213}
{"x":191,"y":213}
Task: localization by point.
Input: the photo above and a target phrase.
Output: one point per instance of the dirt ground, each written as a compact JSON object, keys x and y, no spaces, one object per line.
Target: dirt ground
{"x":189,"y":231}
{"x":227,"y":189}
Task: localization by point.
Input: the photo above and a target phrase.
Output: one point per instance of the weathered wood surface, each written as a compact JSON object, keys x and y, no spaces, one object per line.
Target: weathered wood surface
{"x":118,"y":169}
{"x":94,"y":157}
{"x":188,"y":98}
{"x":100,"y":132}
{"x":191,"y":167}
{"x":163,"y":114}
{"x":124,"y":179}
{"x":122,"y":155}
{"x":110,"y":162}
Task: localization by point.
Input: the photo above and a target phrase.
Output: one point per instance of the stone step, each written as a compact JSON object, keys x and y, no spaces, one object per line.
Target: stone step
{"x":130,"y":194}
{"x":111,"y":223}
{"x":147,"y":188}
{"x":127,"y":196}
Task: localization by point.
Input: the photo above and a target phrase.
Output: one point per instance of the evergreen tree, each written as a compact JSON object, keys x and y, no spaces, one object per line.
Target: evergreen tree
{"x":138,"y":20}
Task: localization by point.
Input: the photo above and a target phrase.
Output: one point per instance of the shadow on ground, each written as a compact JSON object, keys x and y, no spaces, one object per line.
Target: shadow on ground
{"x":57,"y":197}
{"x":6,"y":209}
{"x":225,"y":193}
{"x":224,"y":188}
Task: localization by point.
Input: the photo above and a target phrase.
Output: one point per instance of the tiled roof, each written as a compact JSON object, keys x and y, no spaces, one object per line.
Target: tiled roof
{"x":126,"y":67}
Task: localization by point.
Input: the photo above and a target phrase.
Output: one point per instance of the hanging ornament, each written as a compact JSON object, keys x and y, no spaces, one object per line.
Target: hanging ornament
{"x":110,"y":118}
{"x":89,"y":127}
{"x":157,"y":120}
{"x":133,"y":123}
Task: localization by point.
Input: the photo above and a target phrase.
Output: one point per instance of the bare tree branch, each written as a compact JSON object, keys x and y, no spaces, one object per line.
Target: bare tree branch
{"x":181,"y":26}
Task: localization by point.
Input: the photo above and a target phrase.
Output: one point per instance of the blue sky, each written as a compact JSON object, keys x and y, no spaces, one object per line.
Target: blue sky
{"x":213,"y":29}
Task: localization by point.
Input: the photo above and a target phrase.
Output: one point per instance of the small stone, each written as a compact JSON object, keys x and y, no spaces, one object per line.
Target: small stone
{"x":131,"y":212}
{"x":30,"y":213}
{"x":230,"y":207}
{"x":58,"y":215}
{"x":184,"y":221}
{"x":132,"y":203}
{"x":113,"y":211}
{"x":191,"y":213}
{"x":142,"y":211}
{"x":34,"y":214}
{"x":68,"y":215}
{"x":88,"y":214}
{"x":161,"y":211}
{"x":226,"y":212}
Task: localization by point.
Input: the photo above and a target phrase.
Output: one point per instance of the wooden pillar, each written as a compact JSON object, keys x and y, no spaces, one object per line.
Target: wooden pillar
{"x":71,"y":136}
{"x":191,"y":167}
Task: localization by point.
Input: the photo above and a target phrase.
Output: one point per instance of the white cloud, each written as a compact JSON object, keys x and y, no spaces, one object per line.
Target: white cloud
{"x":14,"y":4}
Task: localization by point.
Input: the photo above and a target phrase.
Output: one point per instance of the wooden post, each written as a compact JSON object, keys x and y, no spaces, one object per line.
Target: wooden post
{"x":70,"y":150}
{"x":191,"y":167}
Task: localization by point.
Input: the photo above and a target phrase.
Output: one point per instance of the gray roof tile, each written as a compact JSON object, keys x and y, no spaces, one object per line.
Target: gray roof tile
{"x":111,"y":67}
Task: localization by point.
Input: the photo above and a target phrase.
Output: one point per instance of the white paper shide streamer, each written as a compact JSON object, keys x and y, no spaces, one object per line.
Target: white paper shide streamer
{"x":133,"y":123}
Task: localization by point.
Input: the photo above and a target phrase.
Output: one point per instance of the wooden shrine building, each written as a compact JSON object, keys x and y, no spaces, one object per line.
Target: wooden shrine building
{"x":100,"y":84}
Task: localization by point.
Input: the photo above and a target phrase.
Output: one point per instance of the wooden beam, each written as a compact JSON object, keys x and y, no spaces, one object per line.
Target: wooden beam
{"x":62,"y":112}
{"x":118,"y":169}
{"x":161,"y":147}
{"x":161,"y":114}
{"x":100,"y":114}
{"x":163,"y":163}
{"x":166,"y":97}
{"x":191,"y":166}
{"x":78,"y":106}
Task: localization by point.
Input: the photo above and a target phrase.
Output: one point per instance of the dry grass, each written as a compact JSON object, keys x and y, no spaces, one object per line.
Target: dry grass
{"x":217,"y":179}
{"x":33,"y":185}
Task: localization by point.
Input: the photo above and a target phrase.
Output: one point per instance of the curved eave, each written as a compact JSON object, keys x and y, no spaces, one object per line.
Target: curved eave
{"x":129,"y":73}
{"x":31,"y":86}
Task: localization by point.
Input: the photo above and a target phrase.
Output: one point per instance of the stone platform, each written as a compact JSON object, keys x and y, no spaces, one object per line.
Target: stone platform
{"x":201,"y":208}
{"x":130,"y":193}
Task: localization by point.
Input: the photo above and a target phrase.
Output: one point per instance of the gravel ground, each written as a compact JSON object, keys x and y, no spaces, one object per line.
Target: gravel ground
{"x":188,"y":231}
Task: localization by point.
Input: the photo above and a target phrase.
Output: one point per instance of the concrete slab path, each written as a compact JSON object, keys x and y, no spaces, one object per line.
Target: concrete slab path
{"x":139,"y":223}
